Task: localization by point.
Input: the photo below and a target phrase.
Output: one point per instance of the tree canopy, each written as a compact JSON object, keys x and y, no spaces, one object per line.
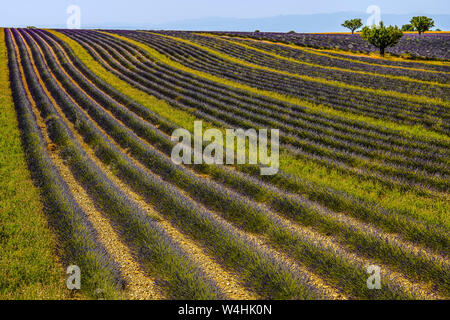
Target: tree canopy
{"x":408,"y":27}
{"x":422,"y":23}
{"x":353,"y":24}
{"x":381,"y":36}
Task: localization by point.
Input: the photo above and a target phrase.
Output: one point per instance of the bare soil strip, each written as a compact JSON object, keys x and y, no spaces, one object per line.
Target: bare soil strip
{"x":420,"y":289}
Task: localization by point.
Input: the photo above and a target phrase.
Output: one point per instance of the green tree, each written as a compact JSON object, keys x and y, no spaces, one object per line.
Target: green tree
{"x":407,"y":27}
{"x":353,"y":24}
{"x":382,"y":36}
{"x":422,"y":23}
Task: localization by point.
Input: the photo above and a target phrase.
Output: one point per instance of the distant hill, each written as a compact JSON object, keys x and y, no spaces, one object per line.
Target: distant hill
{"x":300,"y":23}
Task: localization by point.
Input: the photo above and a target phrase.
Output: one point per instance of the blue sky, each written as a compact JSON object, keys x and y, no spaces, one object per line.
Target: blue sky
{"x":53,"y":12}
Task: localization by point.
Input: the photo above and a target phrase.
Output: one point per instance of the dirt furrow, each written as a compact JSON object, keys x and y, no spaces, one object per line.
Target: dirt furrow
{"x":420,"y":289}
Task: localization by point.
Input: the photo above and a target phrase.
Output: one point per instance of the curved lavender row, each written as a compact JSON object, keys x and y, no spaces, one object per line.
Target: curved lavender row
{"x":399,"y":174}
{"x":75,"y":232}
{"x":245,"y":185}
{"x":240,"y":254}
{"x":413,"y":44}
{"x":263,"y":59}
{"x":156,"y":251}
{"x":354,"y":101}
{"x":384,"y":136}
{"x":357,"y":65}
{"x":184,"y":179}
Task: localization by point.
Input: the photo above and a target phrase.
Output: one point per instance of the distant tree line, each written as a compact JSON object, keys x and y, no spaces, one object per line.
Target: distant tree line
{"x":382,"y":36}
{"x":353,"y":24}
{"x":420,"y":24}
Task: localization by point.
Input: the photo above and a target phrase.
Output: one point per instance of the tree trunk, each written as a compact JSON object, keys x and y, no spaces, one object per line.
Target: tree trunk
{"x":382,"y":51}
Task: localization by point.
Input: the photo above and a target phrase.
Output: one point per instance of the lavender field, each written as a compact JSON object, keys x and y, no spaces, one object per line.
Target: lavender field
{"x":364,"y":163}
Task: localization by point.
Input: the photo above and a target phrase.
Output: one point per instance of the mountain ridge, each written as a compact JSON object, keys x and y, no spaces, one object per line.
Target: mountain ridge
{"x":282,"y":23}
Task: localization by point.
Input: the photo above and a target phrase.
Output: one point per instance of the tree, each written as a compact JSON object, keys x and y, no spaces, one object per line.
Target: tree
{"x":422,"y":23}
{"x":353,"y":24}
{"x":407,"y":27}
{"x":382,"y":37}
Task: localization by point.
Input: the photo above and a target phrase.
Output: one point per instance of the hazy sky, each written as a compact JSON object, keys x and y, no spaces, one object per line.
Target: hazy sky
{"x":53,"y":12}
